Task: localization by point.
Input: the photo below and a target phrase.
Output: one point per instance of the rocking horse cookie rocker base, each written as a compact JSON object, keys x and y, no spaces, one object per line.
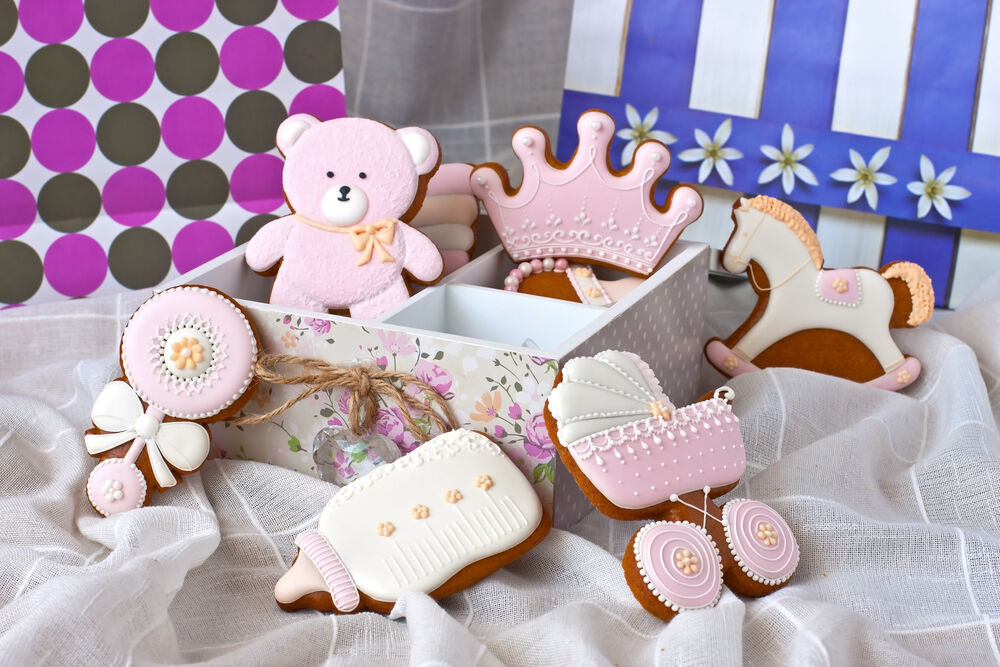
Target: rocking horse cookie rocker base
{"x":832,"y":321}
{"x":637,"y":456}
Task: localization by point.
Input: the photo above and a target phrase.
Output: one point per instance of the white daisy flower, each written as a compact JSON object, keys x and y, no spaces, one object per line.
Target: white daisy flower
{"x":713,"y":153}
{"x":935,"y":189}
{"x":640,"y":130}
{"x":787,"y":162}
{"x":865,"y":176}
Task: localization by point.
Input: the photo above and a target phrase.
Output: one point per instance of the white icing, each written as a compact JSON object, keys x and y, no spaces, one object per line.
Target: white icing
{"x":793,"y":304}
{"x":181,"y":337}
{"x":422,"y":554}
{"x":609,"y":390}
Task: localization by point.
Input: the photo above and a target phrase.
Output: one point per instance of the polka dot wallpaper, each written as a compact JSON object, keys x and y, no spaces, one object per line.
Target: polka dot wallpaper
{"x":137,"y":138}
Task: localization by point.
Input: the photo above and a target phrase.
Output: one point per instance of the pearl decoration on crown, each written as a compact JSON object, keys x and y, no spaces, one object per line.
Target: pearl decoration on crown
{"x":546,"y":265}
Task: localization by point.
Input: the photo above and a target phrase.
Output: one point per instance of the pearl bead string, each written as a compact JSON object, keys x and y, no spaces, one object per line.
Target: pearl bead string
{"x":525,"y":269}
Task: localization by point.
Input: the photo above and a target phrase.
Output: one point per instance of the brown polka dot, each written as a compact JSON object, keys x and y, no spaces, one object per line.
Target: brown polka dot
{"x":197,"y":189}
{"x":312,"y":52}
{"x":57,"y":75}
{"x":139,"y":257}
{"x":22,"y":270}
{"x":252,"y":226}
{"x":69,"y":202}
{"x":8,"y":20}
{"x":115,"y":18}
{"x":16,"y":147}
{"x":246,"y":12}
{"x":187,"y":63}
{"x":128,"y":134}
{"x":252,"y":120}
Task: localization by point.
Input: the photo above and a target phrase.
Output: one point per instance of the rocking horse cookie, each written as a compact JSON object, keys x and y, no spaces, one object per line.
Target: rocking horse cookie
{"x":188,"y":355}
{"x":564,"y":219}
{"x":437,"y":520}
{"x":637,"y":456}
{"x":832,"y":321}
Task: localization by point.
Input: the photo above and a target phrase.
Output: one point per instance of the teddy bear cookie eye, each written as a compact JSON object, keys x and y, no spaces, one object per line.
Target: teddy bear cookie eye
{"x":362,"y":175}
{"x":329,"y":174}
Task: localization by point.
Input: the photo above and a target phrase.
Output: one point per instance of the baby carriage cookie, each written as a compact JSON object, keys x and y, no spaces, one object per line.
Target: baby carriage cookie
{"x":566,"y":218}
{"x":352,"y":184}
{"x":637,"y":456}
{"x":188,"y":355}
{"x":833,"y":321}
{"x":437,"y":520}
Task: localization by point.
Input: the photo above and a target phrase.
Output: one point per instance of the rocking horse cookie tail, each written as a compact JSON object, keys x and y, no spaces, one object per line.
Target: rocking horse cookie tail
{"x":913,"y":292}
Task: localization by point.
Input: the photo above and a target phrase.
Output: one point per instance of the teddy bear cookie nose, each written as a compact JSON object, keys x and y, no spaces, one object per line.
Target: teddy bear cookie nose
{"x":344,"y":191}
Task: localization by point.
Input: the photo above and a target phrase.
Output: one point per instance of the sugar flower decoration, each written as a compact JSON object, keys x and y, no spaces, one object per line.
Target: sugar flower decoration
{"x":713,"y":153}
{"x":787,"y":162}
{"x":935,"y":189}
{"x":639,"y":130}
{"x":865,"y":176}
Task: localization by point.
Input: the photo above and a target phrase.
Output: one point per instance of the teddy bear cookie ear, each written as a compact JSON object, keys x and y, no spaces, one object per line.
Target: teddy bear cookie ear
{"x":292,"y":128}
{"x":421,"y":144}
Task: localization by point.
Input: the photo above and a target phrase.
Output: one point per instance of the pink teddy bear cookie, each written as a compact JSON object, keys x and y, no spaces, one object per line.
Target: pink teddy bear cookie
{"x":351,"y":184}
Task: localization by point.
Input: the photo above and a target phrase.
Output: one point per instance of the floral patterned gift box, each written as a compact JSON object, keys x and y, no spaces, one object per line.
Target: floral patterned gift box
{"x":493,"y":354}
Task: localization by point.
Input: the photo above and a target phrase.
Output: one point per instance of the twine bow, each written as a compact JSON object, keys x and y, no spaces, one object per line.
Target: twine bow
{"x":366,"y":384}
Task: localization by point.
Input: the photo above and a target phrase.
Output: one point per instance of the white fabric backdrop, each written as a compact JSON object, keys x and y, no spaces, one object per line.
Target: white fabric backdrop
{"x":893,"y":499}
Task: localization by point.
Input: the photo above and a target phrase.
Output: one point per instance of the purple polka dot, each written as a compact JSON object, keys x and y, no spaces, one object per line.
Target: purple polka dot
{"x":75,"y":265}
{"x":63,"y":140}
{"x":13,"y":82}
{"x":256,"y":183}
{"x":51,"y":21}
{"x":251,"y":58}
{"x":17,"y":209}
{"x":310,"y":10}
{"x":122,"y":70}
{"x":181,"y":16}
{"x":133,"y":196}
{"x":192,"y":128}
{"x":324,"y":102}
{"x":199,"y":242}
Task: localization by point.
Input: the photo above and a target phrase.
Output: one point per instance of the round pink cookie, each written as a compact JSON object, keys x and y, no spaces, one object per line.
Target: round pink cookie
{"x":116,"y":486}
{"x":681,"y":564}
{"x":189,"y":351}
{"x":760,"y":540}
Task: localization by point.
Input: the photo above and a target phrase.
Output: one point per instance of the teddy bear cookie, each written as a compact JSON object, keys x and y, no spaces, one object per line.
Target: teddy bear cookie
{"x":188,"y":356}
{"x":437,"y":520}
{"x":449,"y":214}
{"x":566,"y":218}
{"x":832,"y":321}
{"x":352,"y":184}
{"x":637,"y":456}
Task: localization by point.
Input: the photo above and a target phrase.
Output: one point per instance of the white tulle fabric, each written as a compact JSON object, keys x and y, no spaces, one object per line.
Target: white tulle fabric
{"x":893,"y":498}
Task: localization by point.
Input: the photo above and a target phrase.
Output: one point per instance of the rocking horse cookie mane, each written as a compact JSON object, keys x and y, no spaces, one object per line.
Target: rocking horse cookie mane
{"x":832,"y":321}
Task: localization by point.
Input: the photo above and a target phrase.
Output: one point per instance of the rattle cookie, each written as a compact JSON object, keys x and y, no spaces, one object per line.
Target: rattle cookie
{"x":437,"y":520}
{"x":583,"y":213}
{"x":833,"y":321}
{"x":637,"y":456}
{"x":352,"y":184}
{"x":188,"y":356}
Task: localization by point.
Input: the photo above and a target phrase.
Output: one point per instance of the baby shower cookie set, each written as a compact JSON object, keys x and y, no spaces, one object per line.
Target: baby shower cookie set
{"x":439,"y":382}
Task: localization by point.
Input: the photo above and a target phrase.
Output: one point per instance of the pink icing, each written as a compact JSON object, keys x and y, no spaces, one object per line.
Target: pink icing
{"x":338,"y":579}
{"x":232,"y":361}
{"x":725,"y":360}
{"x":340,"y":173}
{"x":657,"y":546}
{"x":450,"y":179}
{"x":770,"y":563}
{"x":109,"y":471}
{"x":584,"y":211}
{"x":643,"y":463}
{"x":900,"y":377}
{"x":839,"y":286}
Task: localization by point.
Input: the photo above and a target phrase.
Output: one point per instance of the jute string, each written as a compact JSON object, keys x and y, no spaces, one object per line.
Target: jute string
{"x":366,"y":384}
